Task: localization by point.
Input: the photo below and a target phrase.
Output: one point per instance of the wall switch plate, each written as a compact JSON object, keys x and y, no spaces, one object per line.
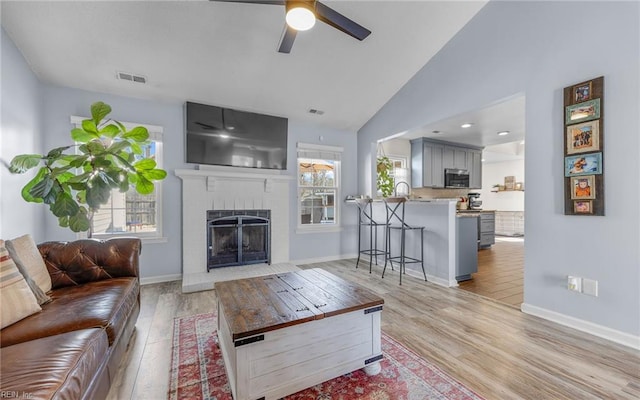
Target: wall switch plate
{"x":574,"y":283}
{"x":590,"y":287}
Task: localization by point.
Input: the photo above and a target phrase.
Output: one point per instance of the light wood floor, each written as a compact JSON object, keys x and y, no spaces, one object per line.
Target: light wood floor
{"x":500,"y":273}
{"x":492,"y":348}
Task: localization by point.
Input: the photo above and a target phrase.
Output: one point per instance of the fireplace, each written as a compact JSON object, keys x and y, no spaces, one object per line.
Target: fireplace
{"x":238,"y":237}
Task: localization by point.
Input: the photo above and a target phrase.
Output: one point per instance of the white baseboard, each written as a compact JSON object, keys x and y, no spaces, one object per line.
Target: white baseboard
{"x":623,"y":338}
{"x":432,"y":278}
{"x":159,"y":279}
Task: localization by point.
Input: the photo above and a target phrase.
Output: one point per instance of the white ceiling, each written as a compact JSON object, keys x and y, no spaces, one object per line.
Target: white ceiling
{"x":507,"y":115}
{"x":225,"y":53}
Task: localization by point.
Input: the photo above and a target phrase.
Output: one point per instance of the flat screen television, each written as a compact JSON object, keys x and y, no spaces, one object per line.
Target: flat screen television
{"x":222,"y":136}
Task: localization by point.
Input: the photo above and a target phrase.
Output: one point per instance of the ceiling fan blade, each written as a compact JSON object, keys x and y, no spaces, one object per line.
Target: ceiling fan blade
{"x":288,"y":36}
{"x":332,"y":17}
{"x":275,"y":2}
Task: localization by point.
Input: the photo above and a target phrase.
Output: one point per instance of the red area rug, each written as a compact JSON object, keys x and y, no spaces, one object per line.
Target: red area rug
{"x":197,"y":371}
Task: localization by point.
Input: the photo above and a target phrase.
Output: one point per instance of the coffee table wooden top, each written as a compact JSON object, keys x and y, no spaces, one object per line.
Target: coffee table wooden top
{"x":266,"y":303}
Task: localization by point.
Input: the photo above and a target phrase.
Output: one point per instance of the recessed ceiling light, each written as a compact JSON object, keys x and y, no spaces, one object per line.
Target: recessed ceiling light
{"x":466,"y":125}
{"x":436,"y":132}
{"x":502,"y":133}
{"x":482,"y":159}
{"x":224,"y":136}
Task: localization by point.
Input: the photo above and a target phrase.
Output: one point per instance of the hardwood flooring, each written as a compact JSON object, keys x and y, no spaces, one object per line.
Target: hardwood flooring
{"x":500,"y":273}
{"x":492,"y":348}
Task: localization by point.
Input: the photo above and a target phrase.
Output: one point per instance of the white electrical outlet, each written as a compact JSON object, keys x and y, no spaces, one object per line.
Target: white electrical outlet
{"x":574,"y":283}
{"x":590,"y":287}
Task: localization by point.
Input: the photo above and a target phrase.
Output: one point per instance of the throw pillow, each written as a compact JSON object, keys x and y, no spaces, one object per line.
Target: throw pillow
{"x":23,"y":250}
{"x":41,"y":296}
{"x":16,"y":299}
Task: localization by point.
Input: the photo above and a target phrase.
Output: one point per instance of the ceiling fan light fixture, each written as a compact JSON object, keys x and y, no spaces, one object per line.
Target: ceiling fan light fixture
{"x":300,"y":15}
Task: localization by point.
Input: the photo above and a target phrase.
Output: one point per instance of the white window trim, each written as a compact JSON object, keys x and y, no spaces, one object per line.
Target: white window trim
{"x":320,"y":228}
{"x":155,"y":134}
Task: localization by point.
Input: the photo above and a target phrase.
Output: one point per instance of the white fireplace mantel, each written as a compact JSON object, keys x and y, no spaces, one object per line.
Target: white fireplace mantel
{"x":218,"y":188}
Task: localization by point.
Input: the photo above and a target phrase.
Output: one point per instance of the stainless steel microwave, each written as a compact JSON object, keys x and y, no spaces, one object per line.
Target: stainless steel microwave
{"x":456,"y":178}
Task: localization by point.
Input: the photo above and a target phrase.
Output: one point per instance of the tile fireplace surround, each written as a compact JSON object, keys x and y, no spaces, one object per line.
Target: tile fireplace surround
{"x":220,"y":188}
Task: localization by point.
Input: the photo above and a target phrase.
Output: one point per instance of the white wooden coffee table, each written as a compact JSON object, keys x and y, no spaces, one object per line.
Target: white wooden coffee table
{"x":283,"y":333}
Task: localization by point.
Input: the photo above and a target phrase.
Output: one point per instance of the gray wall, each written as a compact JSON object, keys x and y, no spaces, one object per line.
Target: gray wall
{"x":20,"y":133}
{"x":34,"y":105}
{"x":307,"y":246}
{"x":538,"y":48}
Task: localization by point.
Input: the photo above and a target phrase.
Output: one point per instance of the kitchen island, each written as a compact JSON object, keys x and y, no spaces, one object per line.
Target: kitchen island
{"x":441,"y":236}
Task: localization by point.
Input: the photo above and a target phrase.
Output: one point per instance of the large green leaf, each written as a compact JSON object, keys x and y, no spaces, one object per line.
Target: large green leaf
{"x":63,"y":221}
{"x":118,"y":146}
{"x":154,"y":174}
{"x":27,"y":188}
{"x":145,"y":164}
{"x":98,"y":193}
{"x":135,"y":148}
{"x":110,"y":130}
{"x":24,"y":162}
{"x":95,"y":147}
{"x":52,"y":195}
{"x":80,"y":221}
{"x":101,"y":162}
{"x":99,"y":110}
{"x":65,"y":205}
{"x":57,"y":152}
{"x":82,"y":136}
{"x":143,"y":185}
{"x":79,"y":178}
{"x":78,"y":161}
{"x":42,"y":188}
{"x":139,"y":134}
{"x":90,"y":126}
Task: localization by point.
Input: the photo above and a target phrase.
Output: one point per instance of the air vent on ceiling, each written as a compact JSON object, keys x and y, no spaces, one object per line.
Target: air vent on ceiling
{"x":314,"y":111}
{"x":126,"y":76}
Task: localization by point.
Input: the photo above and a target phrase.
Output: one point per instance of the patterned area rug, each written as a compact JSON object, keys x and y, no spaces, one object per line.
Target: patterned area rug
{"x":197,"y":371}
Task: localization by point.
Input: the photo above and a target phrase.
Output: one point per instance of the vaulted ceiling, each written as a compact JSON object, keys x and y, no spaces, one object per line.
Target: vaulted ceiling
{"x":225,"y":53}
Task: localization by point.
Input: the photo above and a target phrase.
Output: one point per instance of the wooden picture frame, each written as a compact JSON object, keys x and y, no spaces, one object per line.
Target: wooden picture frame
{"x":583,"y":187}
{"x":582,"y":92}
{"x":583,"y":206}
{"x":583,"y":138}
{"x":584,"y":164}
{"x":581,"y":112}
{"x":584,"y":126}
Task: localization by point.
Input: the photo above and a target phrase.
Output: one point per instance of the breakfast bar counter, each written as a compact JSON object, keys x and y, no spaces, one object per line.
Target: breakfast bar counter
{"x":438,"y":216}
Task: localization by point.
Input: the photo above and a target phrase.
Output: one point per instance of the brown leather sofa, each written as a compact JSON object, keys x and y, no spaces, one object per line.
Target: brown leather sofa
{"x":73,"y":347}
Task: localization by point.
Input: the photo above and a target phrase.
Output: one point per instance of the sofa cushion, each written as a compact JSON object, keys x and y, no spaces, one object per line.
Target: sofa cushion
{"x":25,"y":253}
{"x":103,"y":304}
{"x":60,"y":366}
{"x":17,"y":301}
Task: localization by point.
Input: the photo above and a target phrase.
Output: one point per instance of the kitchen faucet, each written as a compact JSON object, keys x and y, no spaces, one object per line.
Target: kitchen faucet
{"x":395,"y":189}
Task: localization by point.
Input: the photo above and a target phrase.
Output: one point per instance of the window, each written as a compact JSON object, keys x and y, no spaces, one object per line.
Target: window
{"x":131,"y":213}
{"x":399,"y":174}
{"x":318,"y":187}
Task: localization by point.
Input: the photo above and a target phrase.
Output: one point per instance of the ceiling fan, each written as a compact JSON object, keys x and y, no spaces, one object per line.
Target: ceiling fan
{"x":301,"y":15}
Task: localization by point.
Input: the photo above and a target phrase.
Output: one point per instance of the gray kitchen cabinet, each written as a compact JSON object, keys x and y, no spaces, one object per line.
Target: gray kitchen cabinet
{"x":487,"y":229}
{"x":455,"y":157}
{"x":474,"y":162}
{"x":429,"y":158}
{"x":466,"y":247}
{"x":426,"y":164}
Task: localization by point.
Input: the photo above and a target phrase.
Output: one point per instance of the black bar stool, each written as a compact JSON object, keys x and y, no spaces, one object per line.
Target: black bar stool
{"x":395,"y":221}
{"x":365,"y":219}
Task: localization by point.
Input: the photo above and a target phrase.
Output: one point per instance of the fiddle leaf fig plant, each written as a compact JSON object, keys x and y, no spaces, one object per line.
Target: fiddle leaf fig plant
{"x":384,"y":180}
{"x":105,"y":156}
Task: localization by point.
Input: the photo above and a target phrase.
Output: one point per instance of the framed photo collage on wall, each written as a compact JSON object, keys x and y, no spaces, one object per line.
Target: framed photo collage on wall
{"x":583,"y":148}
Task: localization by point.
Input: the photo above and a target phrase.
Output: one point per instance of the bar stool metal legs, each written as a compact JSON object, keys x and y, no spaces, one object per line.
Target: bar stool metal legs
{"x":365,"y":219}
{"x":396,"y":221}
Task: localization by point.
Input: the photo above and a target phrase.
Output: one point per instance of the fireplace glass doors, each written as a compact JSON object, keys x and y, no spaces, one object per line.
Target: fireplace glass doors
{"x":238,"y":237}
